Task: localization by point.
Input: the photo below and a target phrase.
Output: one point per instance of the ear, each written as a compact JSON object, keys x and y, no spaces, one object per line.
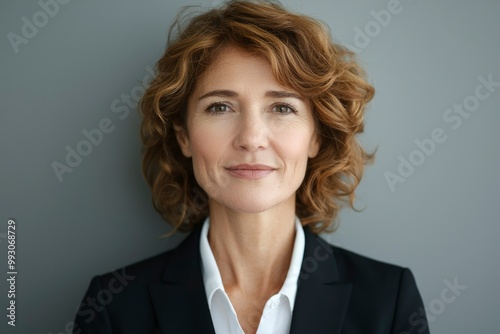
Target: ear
{"x":314,"y":145}
{"x":183,"y":140}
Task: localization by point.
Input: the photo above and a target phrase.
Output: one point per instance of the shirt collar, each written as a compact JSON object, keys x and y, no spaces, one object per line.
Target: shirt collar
{"x":211,"y":275}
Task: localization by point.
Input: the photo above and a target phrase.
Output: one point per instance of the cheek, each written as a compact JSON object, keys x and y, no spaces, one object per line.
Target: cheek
{"x":206,"y":140}
{"x":294,"y":142}
{"x":294,"y":152}
{"x":208,"y":158}
{"x":207,"y":148}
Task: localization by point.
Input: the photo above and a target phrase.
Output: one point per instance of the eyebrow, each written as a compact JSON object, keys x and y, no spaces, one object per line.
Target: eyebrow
{"x":271,"y":93}
{"x":283,"y":94}
{"x":220,"y":93}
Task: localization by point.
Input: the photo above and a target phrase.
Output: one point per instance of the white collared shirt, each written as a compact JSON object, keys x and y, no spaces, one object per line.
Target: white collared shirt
{"x":277,"y":314}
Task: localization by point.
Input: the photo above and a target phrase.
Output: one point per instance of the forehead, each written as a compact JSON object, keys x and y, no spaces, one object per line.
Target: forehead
{"x":235,"y":66}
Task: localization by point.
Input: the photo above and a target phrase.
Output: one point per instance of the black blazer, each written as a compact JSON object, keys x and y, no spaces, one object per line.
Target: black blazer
{"x":338,"y":292}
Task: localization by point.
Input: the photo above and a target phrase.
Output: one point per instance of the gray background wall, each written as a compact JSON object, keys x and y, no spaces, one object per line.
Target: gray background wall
{"x":75,"y":71}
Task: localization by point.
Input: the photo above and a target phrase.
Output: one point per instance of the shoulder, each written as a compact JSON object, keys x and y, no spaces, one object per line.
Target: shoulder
{"x":380,"y":290}
{"x":134,"y":280}
{"x":381,"y":295}
{"x":373,"y":277}
{"x":123,"y":298}
{"x":145,"y":271}
{"x":129,"y":284}
{"x":349,"y":266}
{"x":370,"y":276}
{"x":163,"y":266}
{"x":355,"y":267}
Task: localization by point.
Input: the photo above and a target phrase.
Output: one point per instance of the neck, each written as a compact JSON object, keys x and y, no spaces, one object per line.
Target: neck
{"x":252,"y":250}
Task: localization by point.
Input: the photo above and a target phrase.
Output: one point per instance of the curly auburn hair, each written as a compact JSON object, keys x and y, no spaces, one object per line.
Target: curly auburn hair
{"x":302,"y":57}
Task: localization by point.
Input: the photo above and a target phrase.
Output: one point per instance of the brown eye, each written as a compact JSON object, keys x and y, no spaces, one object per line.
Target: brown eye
{"x":218,"y":108}
{"x":283,"y":109}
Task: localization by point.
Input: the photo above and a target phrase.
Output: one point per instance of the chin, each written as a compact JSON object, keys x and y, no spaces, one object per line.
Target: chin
{"x":252,"y":203}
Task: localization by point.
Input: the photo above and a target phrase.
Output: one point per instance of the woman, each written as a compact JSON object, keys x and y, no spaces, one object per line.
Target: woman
{"x":249,"y":142}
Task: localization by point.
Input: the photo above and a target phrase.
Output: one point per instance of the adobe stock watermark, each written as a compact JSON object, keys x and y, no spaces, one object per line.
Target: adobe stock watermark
{"x":452,"y":117}
{"x":95,"y":304}
{"x":321,"y":253}
{"x":92,"y":138}
{"x":437,"y":306}
{"x":31,"y":26}
{"x":381,"y":20}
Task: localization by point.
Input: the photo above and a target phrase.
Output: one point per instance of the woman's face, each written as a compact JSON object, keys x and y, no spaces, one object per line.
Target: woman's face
{"x":248,"y":136}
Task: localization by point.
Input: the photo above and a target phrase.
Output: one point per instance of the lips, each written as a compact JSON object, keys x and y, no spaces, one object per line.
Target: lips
{"x":250,"y":171}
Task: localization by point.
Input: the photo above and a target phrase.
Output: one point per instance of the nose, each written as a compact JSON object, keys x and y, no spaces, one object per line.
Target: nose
{"x":253,"y":132}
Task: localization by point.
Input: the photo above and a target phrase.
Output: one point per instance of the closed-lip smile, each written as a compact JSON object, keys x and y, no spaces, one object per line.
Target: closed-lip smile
{"x":250,"y":171}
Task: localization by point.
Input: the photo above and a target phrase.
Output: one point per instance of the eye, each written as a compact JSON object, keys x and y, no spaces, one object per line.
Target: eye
{"x":284,"y":109}
{"x":218,"y":108}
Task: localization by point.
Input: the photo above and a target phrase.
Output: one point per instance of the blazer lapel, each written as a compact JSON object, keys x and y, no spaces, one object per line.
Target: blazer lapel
{"x":179,"y":301}
{"x":322,"y":300}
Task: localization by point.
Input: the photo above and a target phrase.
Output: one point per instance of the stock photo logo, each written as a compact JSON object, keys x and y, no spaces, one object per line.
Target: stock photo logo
{"x":454,"y":118}
{"x":31,"y":26}
{"x":94,"y":137}
{"x":436,"y":307}
{"x":373,"y":28}
{"x":93,"y":305}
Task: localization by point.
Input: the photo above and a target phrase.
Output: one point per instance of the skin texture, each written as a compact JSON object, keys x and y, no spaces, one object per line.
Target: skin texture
{"x":239,"y":117}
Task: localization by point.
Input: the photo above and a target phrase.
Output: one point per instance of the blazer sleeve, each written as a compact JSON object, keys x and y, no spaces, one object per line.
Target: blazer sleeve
{"x":410,"y":316}
{"x":92,"y":316}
